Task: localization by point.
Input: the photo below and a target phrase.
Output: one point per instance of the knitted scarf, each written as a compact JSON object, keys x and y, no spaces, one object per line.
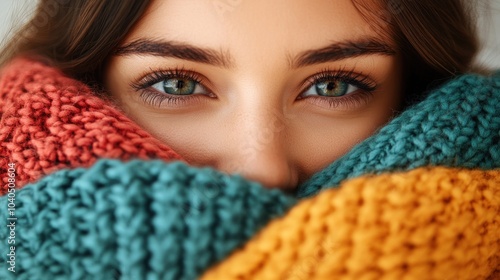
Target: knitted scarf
{"x":87,"y":194}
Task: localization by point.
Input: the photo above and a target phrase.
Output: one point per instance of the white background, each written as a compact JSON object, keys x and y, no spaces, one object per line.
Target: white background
{"x":14,"y":12}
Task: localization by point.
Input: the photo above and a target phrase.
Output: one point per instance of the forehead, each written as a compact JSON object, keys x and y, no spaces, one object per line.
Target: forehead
{"x":246,"y":25}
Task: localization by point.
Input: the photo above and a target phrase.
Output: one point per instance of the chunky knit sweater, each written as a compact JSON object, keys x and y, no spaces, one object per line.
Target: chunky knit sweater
{"x":87,"y":194}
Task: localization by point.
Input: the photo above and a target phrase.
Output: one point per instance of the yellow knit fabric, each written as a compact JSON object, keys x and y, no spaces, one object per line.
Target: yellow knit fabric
{"x":429,"y":223}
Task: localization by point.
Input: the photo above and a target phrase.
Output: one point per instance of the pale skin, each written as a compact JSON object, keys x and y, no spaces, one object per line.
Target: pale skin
{"x":255,"y":103}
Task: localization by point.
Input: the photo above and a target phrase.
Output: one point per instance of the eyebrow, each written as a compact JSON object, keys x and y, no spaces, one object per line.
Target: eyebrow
{"x":176,"y":50}
{"x":332,"y":52}
{"x":342,"y":50}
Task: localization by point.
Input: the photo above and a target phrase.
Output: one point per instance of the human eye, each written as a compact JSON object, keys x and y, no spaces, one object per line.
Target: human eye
{"x":172,"y":87}
{"x":338,"y":89}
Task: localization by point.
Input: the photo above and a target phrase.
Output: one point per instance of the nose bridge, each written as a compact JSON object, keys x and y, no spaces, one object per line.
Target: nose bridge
{"x":261,"y":153}
{"x":261,"y":132}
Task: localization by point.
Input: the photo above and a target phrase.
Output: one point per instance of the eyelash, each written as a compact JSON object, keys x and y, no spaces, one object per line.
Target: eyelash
{"x":152,"y":97}
{"x":365,"y":85}
{"x":156,"y":99}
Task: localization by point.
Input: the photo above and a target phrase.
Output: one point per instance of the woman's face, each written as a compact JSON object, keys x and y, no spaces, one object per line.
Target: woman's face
{"x":274,"y":90}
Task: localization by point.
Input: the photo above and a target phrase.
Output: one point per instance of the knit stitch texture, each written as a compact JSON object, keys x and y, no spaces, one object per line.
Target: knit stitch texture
{"x":430,"y":223}
{"x":49,"y":121}
{"x":138,"y":220}
{"x":458,"y":125}
{"x":418,"y":200}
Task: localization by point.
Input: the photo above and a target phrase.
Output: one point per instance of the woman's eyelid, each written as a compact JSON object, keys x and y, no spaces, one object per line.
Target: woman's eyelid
{"x":155,"y":76}
{"x":352,"y":78}
{"x":349,"y":76}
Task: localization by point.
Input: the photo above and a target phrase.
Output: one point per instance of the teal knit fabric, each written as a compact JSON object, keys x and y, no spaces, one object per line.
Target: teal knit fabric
{"x":457,"y":125}
{"x":156,"y":220}
{"x":134,"y":220}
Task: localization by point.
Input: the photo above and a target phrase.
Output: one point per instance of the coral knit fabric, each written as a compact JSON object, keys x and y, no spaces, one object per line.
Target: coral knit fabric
{"x":99,"y":198}
{"x":50,"y":122}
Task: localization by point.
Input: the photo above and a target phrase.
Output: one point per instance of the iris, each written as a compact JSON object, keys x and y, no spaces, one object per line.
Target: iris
{"x":179,"y":86}
{"x":332,"y":88}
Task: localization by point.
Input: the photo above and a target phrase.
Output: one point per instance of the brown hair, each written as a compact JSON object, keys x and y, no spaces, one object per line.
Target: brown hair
{"x":76,"y":35}
{"x":437,"y":39}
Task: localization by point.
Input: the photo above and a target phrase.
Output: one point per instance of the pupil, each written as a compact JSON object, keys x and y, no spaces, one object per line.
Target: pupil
{"x":330,"y":86}
{"x":180,"y":84}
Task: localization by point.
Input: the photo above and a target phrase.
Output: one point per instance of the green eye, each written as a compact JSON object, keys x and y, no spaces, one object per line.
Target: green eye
{"x":330,"y":88}
{"x":176,"y":86}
